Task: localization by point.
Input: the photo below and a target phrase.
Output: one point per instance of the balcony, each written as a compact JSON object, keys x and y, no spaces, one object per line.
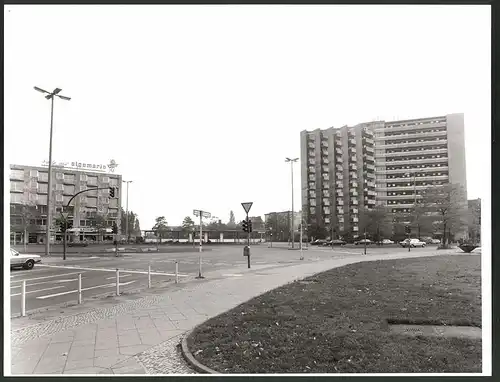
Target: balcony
{"x":340,"y":194}
{"x":326,"y":160}
{"x":340,"y":210}
{"x":311,"y":153}
{"x":420,"y":153}
{"x":339,"y":159}
{"x":369,"y":149}
{"x":355,"y":228}
{"x":413,"y":144}
{"x":442,"y":159}
{"x":418,"y":179}
{"x":370,"y":175}
{"x":312,"y":169}
{"x":354,"y":202}
{"x":414,"y":126}
{"x":371,"y":201}
{"x":353,"y":175}
{"x":370,"y":166}
{"x":325,"y":152}
{"x":353,"y":159}
{"x":326,"y":178}
{"x":372,"y":193}
{"x":339,"y":151}
{"x":311,"y":161}
{"x":339,"y":167}
{"x":354,"y":210}
{"x":419,"y":170}
{"x":412,"y":135}
{"x":369,"y":140}
{"x":324,"y":144}
{"x":353,"y":184}
{"x":353,"y":166}
{"x":312,"y":178}
{"x":369,"y":158}
{"x":354,"y":220}
{"x":370,"y":184}
{"x":339,"y":175}
{"x":311,"y":145}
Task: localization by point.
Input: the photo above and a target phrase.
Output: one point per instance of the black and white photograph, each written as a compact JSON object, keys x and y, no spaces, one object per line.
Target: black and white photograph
{"x":237,"y":189}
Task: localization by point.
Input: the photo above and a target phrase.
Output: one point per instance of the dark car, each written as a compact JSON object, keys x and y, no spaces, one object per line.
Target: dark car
{"x":338,"y":242}
{"x":78,"y":244}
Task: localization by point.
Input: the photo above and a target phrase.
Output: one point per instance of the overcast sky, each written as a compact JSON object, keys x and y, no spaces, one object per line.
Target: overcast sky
{"x":200,"y":105}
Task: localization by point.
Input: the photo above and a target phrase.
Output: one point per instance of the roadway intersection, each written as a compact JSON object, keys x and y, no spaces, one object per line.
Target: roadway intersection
{"x":55,"y":281}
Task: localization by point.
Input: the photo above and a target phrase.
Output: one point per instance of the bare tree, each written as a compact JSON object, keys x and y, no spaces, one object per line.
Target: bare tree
{"x":444,"y":205}
{"x":376,"y":221}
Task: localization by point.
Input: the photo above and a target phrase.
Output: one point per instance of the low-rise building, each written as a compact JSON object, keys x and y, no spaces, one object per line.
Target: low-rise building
{"x":92,"y":213}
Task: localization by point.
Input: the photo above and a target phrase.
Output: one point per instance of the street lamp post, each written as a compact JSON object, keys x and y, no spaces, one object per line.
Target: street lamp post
{"x":292,"y":161}
{"x":126,"y":214}
{"x":50,"y":95}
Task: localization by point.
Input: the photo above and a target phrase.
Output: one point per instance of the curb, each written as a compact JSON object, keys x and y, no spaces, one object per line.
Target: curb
{"x":189,"y":357}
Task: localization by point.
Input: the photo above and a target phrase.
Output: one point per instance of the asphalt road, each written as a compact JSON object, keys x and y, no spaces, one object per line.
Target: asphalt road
{"x":55,"y":281}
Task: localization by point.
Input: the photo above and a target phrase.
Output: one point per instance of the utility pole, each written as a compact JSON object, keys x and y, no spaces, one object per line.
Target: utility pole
{"x":50,"y":95}
{"x":126,"y":214}
{"x":292,"y":161}
{"x":201,"y":214}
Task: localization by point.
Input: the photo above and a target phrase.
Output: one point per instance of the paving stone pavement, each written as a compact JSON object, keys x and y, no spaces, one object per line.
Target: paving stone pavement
{"x":141,"y":336}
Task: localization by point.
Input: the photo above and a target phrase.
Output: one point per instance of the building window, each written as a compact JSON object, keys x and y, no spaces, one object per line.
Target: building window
{"x":17,"y":174}
{"x":105,"y":179}
{"x":34,"y":173}
{"x":59,"y":175}
{"x":70,"y":178}
{"x":59,"y":187}
{"x":113,"y":181}
{"x":83,"y":177}
{"x":43,"y":188}
{"x":16,"y":198}
{"x":16,"y":186}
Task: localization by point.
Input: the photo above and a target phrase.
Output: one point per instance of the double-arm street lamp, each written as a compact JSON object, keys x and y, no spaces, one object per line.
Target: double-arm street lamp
{"x":292,"y":161}
{"x":50,"y":95}
{"x":126,"y":214}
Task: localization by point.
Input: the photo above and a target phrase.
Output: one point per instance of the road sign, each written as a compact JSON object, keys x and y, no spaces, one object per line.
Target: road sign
{"x":65,"y":215}
{"x":196,"y":212}
{"x":206,"y":214}
{"x":247,"y":206}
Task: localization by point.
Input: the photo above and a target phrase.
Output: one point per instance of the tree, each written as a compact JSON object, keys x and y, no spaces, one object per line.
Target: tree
{"x":187,"y":226}
{"x":100,"y":225}
{"x":474,"y":222}
{"x":232,"y":220}
{"x":160,"y":226}
{"x":377,"y":222}
{"x":445,"y":204}
{"x":26,"y":215}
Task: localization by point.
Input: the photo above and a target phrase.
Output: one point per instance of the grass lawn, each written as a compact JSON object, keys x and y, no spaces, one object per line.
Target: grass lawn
{"x":337,"y":321}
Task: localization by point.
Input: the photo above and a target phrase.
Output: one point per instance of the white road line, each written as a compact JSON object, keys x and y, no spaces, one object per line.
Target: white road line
{"x":83,"y":289}
{"x":232,"y":275}
{"x":114,"y":270}
{"x":114,"y":277}
{"x":38,"y":290}
{"x":45,"y":277}
{"x":47,"y":282}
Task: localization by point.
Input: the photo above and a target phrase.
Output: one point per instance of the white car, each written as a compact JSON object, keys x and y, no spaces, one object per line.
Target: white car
{"x":387,"y":241}
{"x":412,"y":243}
{"x":25,"y":261}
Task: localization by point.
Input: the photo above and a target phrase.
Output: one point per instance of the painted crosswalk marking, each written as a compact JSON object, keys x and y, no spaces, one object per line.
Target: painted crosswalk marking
{"x":38,"y":290}
{"x":84,"y":289}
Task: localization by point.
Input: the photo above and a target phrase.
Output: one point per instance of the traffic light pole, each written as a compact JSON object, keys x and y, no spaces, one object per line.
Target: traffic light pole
{"x":248,"y":242}
{"x":64,"y":240}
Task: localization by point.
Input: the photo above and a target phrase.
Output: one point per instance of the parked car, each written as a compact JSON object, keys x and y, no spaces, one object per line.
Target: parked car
{"x":385,"y":241}
{"x":24,"y":260}
{"x":78,"y":244}
{"x":318,"y":242}
{"x":363,"y":241}
{"x":435,"y":241}
{"x":412,"y":243}
{"x":338,"y":242}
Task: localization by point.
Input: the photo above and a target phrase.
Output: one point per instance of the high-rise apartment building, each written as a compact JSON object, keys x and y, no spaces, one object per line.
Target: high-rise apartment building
{"x":347,"y":169}
{"x":29,"y":193}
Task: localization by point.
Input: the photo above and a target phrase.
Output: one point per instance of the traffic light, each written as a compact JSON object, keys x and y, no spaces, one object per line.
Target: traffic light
{"x":69,"y":224}
{"x":115,"y":228}
{"x":249,"y":225}
{"x":407,"y":229}
{"x":111,"y":192}
{"x":62,"y":225}
{"x":244,"y":223}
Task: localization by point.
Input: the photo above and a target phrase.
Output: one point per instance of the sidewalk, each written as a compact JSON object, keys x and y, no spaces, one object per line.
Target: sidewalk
{"x":141,"y":336}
